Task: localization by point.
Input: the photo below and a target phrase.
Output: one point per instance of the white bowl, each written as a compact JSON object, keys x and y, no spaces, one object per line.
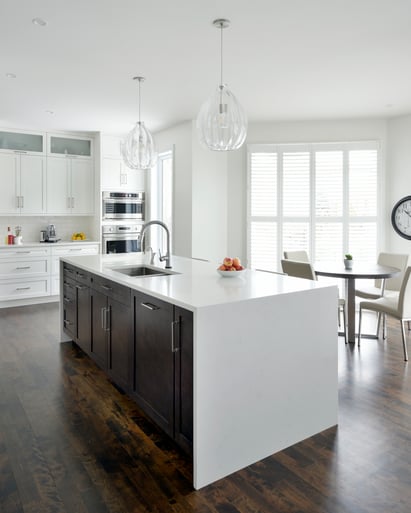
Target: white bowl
{"x":231,"y":274}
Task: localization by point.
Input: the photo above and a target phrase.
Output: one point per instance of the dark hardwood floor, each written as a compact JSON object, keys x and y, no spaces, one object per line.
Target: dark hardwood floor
{"x":71,"y":442}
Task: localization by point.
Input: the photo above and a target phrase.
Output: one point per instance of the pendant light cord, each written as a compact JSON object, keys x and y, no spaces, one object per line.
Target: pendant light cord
{"x":139,"y":100}
{"x":221,"y":53}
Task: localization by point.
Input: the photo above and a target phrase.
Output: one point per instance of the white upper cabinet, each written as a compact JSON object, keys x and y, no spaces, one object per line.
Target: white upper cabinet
{"x":21,"y":142}
{"x":22,"y":190}
{"x":70,"y":186}
{"x":69,"y":146}
{"x":115,"y":175}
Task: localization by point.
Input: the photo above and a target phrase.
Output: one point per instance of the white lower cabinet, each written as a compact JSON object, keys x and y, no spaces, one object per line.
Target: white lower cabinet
{"x":33,"y":272}
{"x":24,"y":273}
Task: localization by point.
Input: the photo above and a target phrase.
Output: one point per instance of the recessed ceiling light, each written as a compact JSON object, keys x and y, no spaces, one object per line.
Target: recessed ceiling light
{"x":11,"y":75}
{"x":39,"y":21}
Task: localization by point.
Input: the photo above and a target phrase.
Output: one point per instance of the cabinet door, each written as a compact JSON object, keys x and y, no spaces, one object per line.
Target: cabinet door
{"x":99,"y":328}
{"x":133,"y":180}
{"x":183,"y":423}
{"x":58,"y":196}
{"x":82,"y":201}
{"x":120,"y":343}
{"x":111,"y":171}
{"x":84,"y":317}
{"x":154,"y":360}
{"x":8,"y":189}
{"x":32,"y":180}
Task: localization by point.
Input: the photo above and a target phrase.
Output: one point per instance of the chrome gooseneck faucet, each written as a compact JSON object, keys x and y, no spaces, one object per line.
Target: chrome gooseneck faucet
{"x":167,"y":256}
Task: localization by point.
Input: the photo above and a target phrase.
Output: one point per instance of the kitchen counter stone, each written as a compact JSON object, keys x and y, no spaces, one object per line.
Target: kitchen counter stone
{"x":196,"y":284}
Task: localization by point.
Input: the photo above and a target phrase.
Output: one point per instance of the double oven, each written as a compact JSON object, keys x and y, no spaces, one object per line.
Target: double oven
{"x":123,"y":218}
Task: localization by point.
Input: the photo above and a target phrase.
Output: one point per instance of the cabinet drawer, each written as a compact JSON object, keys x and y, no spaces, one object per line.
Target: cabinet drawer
{"x":75,"y":249}
{"x":69,"y":288}
{"x":15,"y":252}
{"x":24,"y":289}
{"x":69,"y":271}
{"x":112,"y":289}
{"x":83,"y":277}
{"x":23,"y":268}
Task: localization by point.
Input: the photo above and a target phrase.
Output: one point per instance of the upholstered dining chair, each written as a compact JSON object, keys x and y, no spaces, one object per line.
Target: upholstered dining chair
{"x":399,"y":308}
{"x":391,"y":286}
{"x":300,"y":256}
{"x":305,"y":270}
{"x":387,"y":287}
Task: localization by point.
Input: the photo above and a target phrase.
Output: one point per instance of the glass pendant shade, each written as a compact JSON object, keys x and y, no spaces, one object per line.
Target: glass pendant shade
{"x":222,"y":122}
{"x":138,"y":149}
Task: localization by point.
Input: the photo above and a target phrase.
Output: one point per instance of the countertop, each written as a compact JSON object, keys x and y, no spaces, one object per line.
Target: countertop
{"x":196,"y":284}
{"x":37,"y":244}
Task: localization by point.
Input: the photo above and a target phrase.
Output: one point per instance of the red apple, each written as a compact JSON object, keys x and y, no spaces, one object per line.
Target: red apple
{"x":228,"y":262}
{"x":240,"y":268}
{"x":222,"y":268}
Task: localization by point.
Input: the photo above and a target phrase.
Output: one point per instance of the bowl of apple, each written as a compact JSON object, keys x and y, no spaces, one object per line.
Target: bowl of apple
{"x":231,"y":268}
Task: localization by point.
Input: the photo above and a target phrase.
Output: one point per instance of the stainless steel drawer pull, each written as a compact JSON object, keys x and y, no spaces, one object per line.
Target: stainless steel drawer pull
{"x":174,"y":349}
{"x":75,"y":249}
{"x":21,"y":268}
{"x":67,"y":300}
{"x":21,"y":252}
{"x":23,"y":288}
{"x":150,"y":306}
{"x":69,"y":270}
{"x":81,"y":287}
{"x":105,"y":287}
{"x":67,"y":322}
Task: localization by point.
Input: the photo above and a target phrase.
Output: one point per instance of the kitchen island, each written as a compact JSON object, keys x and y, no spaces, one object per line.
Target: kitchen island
{"x":264,"y":352}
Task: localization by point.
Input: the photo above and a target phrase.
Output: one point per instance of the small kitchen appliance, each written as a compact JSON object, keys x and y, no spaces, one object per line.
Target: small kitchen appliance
{"x":123,"y":205}
{"x":51,"y":234}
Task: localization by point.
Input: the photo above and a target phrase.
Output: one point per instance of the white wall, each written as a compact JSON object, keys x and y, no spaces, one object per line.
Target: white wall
{"x":209,"y":237}
{"x":179,"y":137}
{"x":398,"y":183}
{"x":200,"y":194}
{"x":288,"y":132}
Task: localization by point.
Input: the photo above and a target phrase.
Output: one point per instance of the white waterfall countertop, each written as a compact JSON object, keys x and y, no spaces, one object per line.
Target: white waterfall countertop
{"x":264,"y":357}
{"x":193,"y":284}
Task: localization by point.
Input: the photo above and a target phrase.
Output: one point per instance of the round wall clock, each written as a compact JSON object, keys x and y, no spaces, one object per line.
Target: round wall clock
{"x":401,"y":217}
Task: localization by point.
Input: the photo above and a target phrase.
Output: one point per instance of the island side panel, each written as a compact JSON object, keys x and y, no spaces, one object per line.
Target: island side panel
{"x":265,"y":377}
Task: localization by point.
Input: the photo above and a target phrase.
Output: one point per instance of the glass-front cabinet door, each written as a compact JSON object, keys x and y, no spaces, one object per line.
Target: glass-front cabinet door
{"x":21,"y":142}
{"x":66,"y":146}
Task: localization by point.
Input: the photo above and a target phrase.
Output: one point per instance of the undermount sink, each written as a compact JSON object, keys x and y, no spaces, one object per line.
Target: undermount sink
{"x":141,"y":270}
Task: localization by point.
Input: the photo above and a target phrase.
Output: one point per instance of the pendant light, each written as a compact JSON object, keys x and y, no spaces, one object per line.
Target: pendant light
{"x":222,"y":122}
{"x":138,"y":149}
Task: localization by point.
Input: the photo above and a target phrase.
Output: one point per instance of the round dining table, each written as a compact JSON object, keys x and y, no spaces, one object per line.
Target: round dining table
{"x":361,"y":271}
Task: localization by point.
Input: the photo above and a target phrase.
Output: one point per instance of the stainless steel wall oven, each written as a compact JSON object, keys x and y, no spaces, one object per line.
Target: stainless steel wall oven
{"x":121,"y":238}
{"x":123,"y":205}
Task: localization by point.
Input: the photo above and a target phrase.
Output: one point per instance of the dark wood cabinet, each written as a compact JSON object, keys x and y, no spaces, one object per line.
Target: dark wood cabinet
{"x":154,"y":359}
{"x":143,"y":343}
{"x":111,"y":341}
{"x":163,"y":384}
{"x":183,"y":422}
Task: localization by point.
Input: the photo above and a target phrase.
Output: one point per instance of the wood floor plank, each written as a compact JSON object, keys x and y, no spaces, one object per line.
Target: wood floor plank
{"x":71,"y":442}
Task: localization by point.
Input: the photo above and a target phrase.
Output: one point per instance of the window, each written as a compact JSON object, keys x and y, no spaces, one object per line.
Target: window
{"x":161,"y":199}
{"x":322,"y":198}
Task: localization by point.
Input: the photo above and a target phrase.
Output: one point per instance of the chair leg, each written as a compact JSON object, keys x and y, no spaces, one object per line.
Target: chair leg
{"x":378,"y":323}
{"x":384,"y":326}
{"x":359,"y":326}
{"x":344,"y":325}
{"x":409,"y":325}
{"x":404,"y":341}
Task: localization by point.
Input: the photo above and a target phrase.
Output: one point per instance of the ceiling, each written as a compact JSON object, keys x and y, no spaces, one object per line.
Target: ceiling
{"x":283,"y":59}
